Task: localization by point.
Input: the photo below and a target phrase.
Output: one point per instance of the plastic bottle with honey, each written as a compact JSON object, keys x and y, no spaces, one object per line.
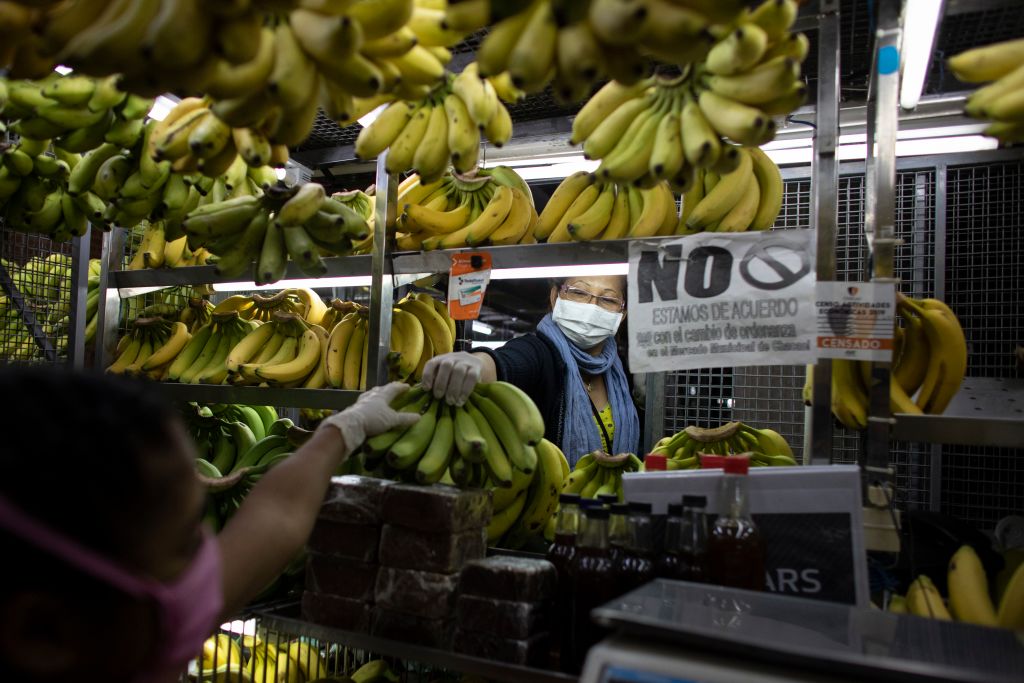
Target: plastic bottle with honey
{"x":561,"y":554}
{"x":693,"y":540}
{"x":593,"y":583}
{"x":736,"y":549}
{"x":635,"y":566}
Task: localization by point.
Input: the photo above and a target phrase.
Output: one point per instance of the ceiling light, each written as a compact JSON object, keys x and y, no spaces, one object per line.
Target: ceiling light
{"x":920,"y":26}
{"x":63,"y":70}
{"x":482,"y":328}
{"x":162,"y":106}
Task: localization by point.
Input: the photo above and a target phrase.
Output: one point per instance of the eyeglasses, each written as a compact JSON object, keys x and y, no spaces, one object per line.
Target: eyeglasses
{"x":582,"y":296}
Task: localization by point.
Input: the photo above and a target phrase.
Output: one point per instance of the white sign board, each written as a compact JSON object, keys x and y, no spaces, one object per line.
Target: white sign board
{"x":714,"y":300}
{"x":855,"y":320}
{"x":811,"y":519}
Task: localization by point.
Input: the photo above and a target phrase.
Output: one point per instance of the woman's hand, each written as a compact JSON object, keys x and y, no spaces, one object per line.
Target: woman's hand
{"x":453,"y":376}
{"x":370,"y":415}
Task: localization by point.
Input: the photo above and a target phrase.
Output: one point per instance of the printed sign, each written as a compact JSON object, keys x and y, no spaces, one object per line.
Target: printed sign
{"x":468,"y":278}
{"x":855,"y":320}
{"x":713,"y":300}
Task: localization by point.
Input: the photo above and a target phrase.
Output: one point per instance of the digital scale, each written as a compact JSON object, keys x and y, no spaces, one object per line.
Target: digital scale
{"x":680,"y":632}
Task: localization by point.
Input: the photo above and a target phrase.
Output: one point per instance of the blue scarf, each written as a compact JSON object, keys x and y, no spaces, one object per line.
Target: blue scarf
{"x":580,"y":435}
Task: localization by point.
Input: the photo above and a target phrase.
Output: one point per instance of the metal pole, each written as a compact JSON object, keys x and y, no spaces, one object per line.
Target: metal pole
{"x":824,"y":191}
{"x":77,"y":318}
{"x":382,"y":286}
{"x":880,"y":230}
{"x":654,"y":410}
{"x":109,"y":310}
{"x":939,"y":279}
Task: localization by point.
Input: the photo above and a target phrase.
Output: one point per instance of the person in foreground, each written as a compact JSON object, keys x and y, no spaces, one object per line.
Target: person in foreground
{"x":570,"y":368}
{"x":110,"y":574}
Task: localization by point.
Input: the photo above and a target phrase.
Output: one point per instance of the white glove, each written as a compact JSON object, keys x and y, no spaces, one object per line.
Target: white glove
{"x":370,"y":415}
{"x":452,"y":376}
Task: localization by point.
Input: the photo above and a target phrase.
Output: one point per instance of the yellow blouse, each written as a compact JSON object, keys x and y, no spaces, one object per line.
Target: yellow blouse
{"x":609,"y":428}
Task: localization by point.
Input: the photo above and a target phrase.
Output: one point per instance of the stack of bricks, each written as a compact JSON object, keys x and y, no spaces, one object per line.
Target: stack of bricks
{"x":502,"y":612}
{"x":342,"y":566}
{"x":429,"y":534}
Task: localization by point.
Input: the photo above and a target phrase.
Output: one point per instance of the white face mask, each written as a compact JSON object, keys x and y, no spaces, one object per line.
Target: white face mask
{"x":586,"y":325}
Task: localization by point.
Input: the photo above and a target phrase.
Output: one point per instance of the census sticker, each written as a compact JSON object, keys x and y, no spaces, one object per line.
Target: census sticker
{"x":855,"y":320}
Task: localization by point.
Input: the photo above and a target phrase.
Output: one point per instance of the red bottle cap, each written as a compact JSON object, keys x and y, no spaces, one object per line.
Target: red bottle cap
{"x":712,"y":462}
{"x":736,"y":464}
{"x":655,"y":462}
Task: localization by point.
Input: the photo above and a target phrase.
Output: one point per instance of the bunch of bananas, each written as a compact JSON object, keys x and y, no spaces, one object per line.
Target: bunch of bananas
{"x":34,"y":194}
{"x":746,"y":198}
{"x":597,"y":474}
{"x":302,"y":302}
{"x":1001,"y":101}
{"x":443,"y":128}
{"x":150,"y":348}
{"x":420,"y":329}
{"x":45,"y":284}
{"x":765,"y":447}
{"x":363,"y":203}
{"x":527,"y":508}
{"x":970,"y":600}
{"x":200,"y":361}
{"x":575,"y":43}
{"x":929,"y":360}
{"x":586,"y":208}
{"x":345,"y":57}
{"x":77,"y":112}
{"x":196,"y":139}
{"x":219,"y":429}
{"x":286,"y":351}
{"x":297,"y":222}
{"x":195,"y":313}
{"x":495,"y":206}
{"x":492,"y":435}
{"x":666,"y":128}
{"x":155,"y":251}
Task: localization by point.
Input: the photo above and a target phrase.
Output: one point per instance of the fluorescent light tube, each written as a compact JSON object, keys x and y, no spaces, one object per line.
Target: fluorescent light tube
{"x":920,"y":26}
{"x":63,"y":70}
{"x":371,"y":116}
{"x":311,"y":283}
{"x":560,"y":271}
{"x":482,"y":328}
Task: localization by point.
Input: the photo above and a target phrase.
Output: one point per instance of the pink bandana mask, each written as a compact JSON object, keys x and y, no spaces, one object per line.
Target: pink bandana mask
{"x":188,"y":606}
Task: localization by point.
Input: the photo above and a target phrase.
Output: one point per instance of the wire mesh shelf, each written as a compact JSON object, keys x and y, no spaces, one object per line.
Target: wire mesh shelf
{"x":331,"y":652}
{"x":38,"y":273}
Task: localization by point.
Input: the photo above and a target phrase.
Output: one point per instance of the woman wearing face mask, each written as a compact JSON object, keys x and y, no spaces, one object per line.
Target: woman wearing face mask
{"x":110,"y":575}
{"x":570,"y":368}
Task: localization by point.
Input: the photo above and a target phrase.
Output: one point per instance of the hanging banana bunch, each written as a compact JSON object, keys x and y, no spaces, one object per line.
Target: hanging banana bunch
{"x":300,"y":223}
{"x":1002,"y":66}
{"x":573,"y":44}
{"x":442,"y":129}
{"x":929,"y":363}
{"x":494,"y":206}
{"x":666,"y":128}
{"x":269,"y":64}
{"x":585,"y":208}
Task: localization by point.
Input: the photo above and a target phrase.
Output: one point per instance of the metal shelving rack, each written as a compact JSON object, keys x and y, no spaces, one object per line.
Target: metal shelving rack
{"x":824,"y":193}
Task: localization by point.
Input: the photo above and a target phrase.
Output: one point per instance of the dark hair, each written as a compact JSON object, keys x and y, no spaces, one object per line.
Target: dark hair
{"x":79,"y":449}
